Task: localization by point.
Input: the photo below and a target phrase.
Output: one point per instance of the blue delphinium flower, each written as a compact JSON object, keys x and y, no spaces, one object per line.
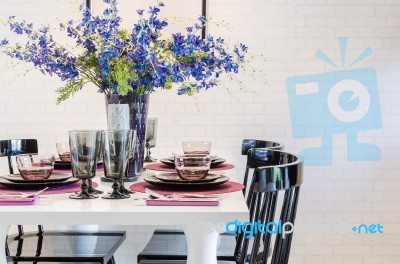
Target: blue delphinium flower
{"x":120,"y":61}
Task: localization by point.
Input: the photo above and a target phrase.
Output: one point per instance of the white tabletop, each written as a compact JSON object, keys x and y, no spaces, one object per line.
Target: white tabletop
{"x":64,"y":210}
{"x":201,"y":223}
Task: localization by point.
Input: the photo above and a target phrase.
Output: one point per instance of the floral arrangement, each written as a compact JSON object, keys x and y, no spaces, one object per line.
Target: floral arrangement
{"x":118,"y":61}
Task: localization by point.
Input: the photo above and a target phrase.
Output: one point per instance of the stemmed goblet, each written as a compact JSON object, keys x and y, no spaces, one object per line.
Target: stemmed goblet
{"x":84,"y":147}
{"x":99,"y":156}
{"x":122,"y":188}
{"x":116,"y":148}
{"x":151,"y":136}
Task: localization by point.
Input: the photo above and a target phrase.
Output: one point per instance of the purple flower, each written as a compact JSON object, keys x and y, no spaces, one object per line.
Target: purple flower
{"x":3,"y":42}
{"x":140,"y":58}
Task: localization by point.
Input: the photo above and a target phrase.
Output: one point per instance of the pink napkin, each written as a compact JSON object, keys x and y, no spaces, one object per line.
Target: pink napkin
{"x":19,"y":201}
{"x":160,"y":202}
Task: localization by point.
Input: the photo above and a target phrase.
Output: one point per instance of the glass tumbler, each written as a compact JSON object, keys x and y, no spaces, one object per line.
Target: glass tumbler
{"x":63,"y":151}
{"x":116,"y":146}
{"x":84,"y":147}
{"x":151,"y":138}
{"x":196,"y":147}
{"x":122,"y":188}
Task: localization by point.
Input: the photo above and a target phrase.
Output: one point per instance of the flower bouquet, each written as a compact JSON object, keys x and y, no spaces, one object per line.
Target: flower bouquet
{"x":119,"y":61}
{"x":126,"y":65}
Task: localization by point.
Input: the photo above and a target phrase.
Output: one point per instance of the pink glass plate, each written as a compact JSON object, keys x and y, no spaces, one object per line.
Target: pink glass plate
{"x":35,"y":185}
{"x":184,"y":184}
{"x":174,"y":177}
{"x":54,"y":177}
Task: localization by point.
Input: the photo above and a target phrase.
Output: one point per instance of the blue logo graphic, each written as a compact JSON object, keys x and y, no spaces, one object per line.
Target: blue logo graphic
{"x":343,"y":101}
{"x":368,"y":229}
{"x":250,"y":229}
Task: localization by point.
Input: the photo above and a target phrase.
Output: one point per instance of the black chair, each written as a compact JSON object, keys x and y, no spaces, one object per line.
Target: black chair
{"x":56,"y":246}
{"x":13,"y":147}
{"x":256,"y":143}
{"x":276,"y":172}
{"x":161,"y":235}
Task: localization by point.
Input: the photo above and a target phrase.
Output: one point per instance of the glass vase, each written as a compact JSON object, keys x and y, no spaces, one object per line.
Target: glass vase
{"x":130,"y":112}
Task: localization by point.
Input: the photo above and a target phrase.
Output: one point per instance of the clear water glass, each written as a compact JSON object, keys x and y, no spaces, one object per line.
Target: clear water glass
{"x":190,"y":167}
{"x":116,"y":147}
{"x":196,"y":147}
{"x":63,"y":151}
{"x":151,"y":137}
{"x":84,"y":147}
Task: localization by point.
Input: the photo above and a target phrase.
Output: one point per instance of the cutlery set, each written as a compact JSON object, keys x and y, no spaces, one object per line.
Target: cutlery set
{"x":179,"y":195}
{"x":20,"y":195}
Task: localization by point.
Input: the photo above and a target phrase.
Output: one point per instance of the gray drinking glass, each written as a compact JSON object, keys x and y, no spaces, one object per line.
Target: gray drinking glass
{"x":122,"y":188}
{"x":116,"y":146}
{"x":92,"y":190}
{"x":151,"y":138}
{"x":84,"y":146}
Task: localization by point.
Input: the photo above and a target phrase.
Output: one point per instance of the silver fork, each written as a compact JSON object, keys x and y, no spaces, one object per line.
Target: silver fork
{"x":29,"y":195}
{"x":178,"y":195}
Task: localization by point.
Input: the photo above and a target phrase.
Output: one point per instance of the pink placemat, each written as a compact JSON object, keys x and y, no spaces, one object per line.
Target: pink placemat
{"x":162,"y":167}
{"x":69,"y":188}
{"x":226,"y":187}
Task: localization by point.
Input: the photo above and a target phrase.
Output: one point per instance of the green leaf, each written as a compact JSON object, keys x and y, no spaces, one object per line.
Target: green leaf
{"x":71,"y":87}
{"x":122,"y":72}
{"x":168,"y":83}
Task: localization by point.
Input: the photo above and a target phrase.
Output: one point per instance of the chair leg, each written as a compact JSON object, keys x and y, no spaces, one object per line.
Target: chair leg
{"x":111,"y":261}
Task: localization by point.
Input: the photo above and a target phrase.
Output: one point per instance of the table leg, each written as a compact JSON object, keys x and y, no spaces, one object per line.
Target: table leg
{"x":202,"y":244}
{"x":3,"y":237}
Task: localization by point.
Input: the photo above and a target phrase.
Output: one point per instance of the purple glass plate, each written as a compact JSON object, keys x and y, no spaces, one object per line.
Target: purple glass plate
{"x":174,"y":177}
{"x":170,"y":162}
{"x":54,"y":177}
{"x":35,"y":185}
{"x":184,"y":184}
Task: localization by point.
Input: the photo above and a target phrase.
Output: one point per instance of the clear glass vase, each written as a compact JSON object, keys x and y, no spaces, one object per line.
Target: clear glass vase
{"x":130,"y":112}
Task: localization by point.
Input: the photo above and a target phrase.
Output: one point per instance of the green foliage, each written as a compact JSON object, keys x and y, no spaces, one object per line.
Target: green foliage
{"x":71,"y":87}
{"x":124,"y":34}
{"x":122,"y":72}
{"x":168,"y":84}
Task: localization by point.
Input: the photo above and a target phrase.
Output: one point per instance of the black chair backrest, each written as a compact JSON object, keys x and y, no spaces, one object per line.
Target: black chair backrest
{"x":276,"y":172}
{"x":255,"y":143}
{"x":13,"y":147}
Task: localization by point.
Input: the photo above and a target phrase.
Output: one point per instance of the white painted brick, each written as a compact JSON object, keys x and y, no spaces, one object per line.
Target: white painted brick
{"x":373,"y":260}
{"x":355,"y":11}
{"x":195,"y":131}
{"x":315,"y":10}
{"x":353,"y":250}
{"x":352,"y":260}
{"x":386,"y":250}
{"x":334,"y":260}
{"x":387,"y":10}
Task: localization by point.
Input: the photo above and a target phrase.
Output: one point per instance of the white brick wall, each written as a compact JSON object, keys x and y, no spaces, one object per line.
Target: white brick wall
{"x":289,"y":32}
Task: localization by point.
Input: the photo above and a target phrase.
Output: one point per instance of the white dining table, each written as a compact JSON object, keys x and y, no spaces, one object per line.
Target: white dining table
{"x":202,"y":224}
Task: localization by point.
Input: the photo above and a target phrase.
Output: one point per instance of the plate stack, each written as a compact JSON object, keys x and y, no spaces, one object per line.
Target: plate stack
{"x":215,"y":161}
{"x":173,"y":180}
{"x":15,"y":181}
